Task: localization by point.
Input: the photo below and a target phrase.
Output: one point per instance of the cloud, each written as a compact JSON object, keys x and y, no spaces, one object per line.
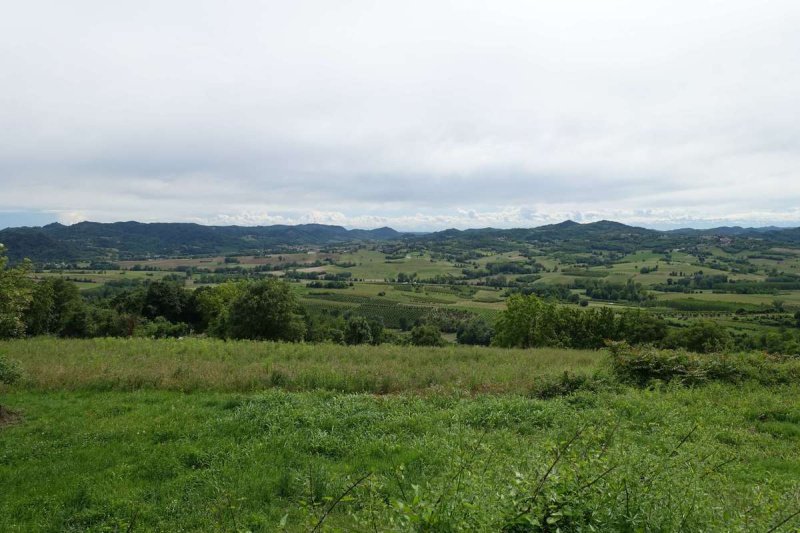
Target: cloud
{"x":416,"y":115}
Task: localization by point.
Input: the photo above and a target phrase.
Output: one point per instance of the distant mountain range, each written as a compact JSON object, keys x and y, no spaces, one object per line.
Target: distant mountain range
{"x":135,"y":240}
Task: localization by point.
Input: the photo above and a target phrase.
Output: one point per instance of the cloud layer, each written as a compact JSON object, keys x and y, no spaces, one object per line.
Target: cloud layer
{"x":417,"y":115}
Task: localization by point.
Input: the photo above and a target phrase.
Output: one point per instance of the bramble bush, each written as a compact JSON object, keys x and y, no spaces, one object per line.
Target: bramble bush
{"x":643,"y":365}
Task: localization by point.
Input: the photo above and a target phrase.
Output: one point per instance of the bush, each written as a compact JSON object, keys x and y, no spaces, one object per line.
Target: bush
{"x":9,"y":371}
{"x":426,"y":335}
{"x":703,"y":336}
{"x":475,"y":331}
{"x":642,"y":365}
{"x":161,"y":328}
{"x":569,"y":383}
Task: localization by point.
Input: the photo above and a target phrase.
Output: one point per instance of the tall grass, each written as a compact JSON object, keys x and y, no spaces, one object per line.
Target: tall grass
{"x":195,"y":364}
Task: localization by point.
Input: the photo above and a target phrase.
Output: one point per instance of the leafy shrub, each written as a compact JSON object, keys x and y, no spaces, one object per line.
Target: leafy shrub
{"x":568,"y":383}
{"x":475,"y":331}
{"x":703,"y":336}
{"x":161,"y":328}
{"x":9,"y":371}
{"x":426,"y":335}
{"x":642,"y":365}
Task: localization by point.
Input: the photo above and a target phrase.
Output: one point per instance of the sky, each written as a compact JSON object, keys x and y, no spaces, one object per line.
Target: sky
{"x":419,"y":115}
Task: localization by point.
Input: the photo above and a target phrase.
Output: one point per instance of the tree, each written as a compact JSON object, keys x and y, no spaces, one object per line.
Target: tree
{"x":376,"y":328}
{"x":530,"y":322}
{"x":358,"y":331}
{"x":15,"y":297}
{"x":213,"y":305}
{"x":526,"y":322}
{"x":703,"y":336}
{"x":639,"y":327}
{"x":57,"y":307}
{"x":39,"y":316}
{"x":475,"y":331}
{"x":426,"y":335}
{"x":167,"y":299}
{"x":266,"y":310}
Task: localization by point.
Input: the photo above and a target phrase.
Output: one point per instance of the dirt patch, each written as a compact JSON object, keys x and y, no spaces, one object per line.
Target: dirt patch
{"x":8,"y":417}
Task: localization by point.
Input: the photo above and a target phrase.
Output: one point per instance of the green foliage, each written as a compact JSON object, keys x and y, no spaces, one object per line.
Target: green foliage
{"x":168,"y":300}
{"x":642,"y":365}
{"x":602,"y":290}
{"x":475,"y":331}
{"x":529,"y":321}
{"x":426,"y":335}
{"x":213,"y":306}
{"x":15,"y":297}
{"x":10,"y":372}
{"x":702,"y":336}
{"x":266,"y":310}
{"x":40,"y":316}
{"x":161,"y":328}
{"x":358,"y":331}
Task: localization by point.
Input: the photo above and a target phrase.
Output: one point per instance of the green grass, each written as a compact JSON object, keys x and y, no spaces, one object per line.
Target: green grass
{"x":373,"y":265}
{"x":214,"y":365}
{"x":199,"y":435}
{"x":790,"y":298}
{"x":160,"y":460}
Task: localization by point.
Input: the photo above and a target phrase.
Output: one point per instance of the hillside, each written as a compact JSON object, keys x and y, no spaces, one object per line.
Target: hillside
{"x":135,"y":240}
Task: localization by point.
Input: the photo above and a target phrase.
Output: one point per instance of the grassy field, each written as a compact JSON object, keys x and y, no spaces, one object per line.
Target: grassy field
{"x":90,"y":279}
{"x":245,"y":366}
{"x":199,"y":435}
{"x":374,"y":265}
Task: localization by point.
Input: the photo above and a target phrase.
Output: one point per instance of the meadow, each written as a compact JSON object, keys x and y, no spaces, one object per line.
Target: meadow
{"x":200,"y":434}
{"x":194,"y":364}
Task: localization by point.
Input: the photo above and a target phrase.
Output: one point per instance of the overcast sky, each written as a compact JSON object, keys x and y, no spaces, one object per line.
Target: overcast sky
{"x":415,"y":114}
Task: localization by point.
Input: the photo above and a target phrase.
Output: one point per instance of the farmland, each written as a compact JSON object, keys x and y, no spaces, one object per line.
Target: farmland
{"x":753,"y":289}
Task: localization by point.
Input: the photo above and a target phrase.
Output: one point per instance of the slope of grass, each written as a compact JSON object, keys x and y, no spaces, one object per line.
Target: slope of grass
{"x":204,"y":435}
{"x":215,"y":365}
{"x":715,"y":459}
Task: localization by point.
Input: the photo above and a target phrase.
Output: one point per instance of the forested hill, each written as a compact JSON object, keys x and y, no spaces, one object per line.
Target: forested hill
{"x":135,"y":240}
{"x":124,"y":240}
{"x":569,"y":236}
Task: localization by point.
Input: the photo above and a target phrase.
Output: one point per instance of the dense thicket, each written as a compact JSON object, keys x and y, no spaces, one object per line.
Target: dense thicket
{"x":531,"y":322}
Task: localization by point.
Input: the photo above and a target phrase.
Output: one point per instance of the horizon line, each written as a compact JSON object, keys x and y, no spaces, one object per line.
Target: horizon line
{"x":355,"y":228}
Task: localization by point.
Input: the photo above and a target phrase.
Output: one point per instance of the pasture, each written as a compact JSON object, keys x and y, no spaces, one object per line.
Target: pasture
{"x":200,"y":435}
